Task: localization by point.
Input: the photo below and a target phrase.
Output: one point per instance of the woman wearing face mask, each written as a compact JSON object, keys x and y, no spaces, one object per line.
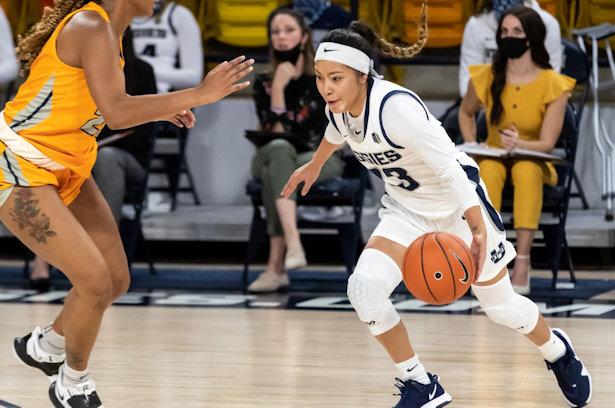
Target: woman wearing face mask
{"x":525,"y":102}
{"x":479,"y":45}
{"x":430,"y":186}
{"x":287,"y":100}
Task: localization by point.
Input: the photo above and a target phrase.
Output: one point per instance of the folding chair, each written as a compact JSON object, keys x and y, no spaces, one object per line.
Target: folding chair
{"x":347,"y":190}
{"x":555,"y":199}
{"x":131,"y":229}
{"x":604,"y":142}
{"x":576,"y":65}
{"x":170,"y":160}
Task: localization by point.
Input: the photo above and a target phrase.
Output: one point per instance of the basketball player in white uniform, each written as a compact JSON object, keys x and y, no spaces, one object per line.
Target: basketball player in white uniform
{"x":170,"y":41}
{"x":430,"y":186}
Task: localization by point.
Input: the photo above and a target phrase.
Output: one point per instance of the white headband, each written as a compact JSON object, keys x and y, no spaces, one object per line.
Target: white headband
{"x":346,"y":55}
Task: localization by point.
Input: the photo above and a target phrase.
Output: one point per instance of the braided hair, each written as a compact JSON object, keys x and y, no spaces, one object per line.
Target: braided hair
{"x":361,"y":36}
{"x":29,"y":45}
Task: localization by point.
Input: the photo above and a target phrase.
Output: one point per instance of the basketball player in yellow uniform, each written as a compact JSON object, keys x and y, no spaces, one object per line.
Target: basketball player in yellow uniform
{"x":47,"y":150}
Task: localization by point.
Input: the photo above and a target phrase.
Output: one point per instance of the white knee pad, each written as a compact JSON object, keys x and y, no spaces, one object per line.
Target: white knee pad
{"x":507,"y":308}
{"x":369,"y":287}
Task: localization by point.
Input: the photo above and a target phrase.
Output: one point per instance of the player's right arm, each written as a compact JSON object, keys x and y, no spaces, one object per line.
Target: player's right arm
{"x":308,"y":173}
{"x":88,"y":42}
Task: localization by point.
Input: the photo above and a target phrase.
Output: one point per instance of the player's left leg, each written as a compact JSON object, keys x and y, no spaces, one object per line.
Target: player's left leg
{"x":510,"y":309}
{"x":377,"y":274}
{"x":93,"y":214}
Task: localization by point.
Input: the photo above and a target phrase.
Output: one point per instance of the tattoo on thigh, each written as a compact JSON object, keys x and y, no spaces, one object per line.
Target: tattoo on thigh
{"x":28,"y":216}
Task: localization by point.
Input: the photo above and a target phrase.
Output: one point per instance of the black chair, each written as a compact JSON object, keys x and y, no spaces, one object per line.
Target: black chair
{"x":576,"y":64}
{"x":170,"y":160}
{"x":347,"y":190}
{"x":555,"y":198}
{"x":131,"y":229}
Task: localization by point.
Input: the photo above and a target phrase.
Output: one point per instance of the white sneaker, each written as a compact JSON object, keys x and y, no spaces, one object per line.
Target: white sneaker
{"x":28,"y":351}
{"x":81,"y":396}
{"x":269,"y":282}
{"x":294,"y":260}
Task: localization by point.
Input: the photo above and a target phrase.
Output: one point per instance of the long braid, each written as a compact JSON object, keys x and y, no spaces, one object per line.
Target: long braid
{"x":394,"y":50}
{"x":385,"y":47}
{"x":30,"y":45}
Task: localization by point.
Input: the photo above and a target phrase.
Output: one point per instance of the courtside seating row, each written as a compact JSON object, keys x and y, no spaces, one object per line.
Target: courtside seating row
{"x":242,"y":23}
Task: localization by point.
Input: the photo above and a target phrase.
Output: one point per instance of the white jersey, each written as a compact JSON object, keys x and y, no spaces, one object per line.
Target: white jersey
{"x":400,"y":141}
{"x":171,"y":43}
{"x":8,"y":60}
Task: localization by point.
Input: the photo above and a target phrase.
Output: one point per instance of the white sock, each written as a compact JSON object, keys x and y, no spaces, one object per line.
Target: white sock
{"x":413,"y":370}
{"x":52,"y":342}
{"x":553,"y":349}
{"x":72,"y":378}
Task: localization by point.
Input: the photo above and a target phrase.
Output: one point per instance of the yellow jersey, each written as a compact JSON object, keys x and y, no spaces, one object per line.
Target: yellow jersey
{"x":54,"y":111}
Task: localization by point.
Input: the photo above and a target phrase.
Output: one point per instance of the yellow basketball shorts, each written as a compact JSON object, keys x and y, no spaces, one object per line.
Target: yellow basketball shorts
{"x":16,"y":171}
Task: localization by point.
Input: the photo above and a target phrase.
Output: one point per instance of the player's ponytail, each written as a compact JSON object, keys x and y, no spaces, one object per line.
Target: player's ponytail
{"x":361,"y":36}
{"x":29,"y":45}
{"x":385,"y":47}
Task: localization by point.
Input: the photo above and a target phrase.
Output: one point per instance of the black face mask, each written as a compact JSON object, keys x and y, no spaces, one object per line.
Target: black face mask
{"x":513,"y":47}
{"x":291,"y":55}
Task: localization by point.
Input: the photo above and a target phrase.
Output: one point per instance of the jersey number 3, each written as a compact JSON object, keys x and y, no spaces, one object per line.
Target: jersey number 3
{"x":405,"y":181}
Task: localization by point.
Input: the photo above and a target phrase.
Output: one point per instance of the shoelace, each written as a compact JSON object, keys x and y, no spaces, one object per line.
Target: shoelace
{"x":402,"y":385}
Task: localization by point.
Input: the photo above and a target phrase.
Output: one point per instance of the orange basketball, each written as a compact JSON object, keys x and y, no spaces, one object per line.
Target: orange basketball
{"x":438,"y":268}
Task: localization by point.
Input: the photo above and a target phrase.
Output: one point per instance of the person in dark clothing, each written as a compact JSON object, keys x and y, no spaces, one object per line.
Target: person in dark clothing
{"x":287,"y":101}
{"x":122,"y":163}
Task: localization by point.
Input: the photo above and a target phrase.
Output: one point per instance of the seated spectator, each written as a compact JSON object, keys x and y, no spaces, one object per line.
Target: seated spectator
{"x":287,"y":100}
{"x":479,"y":44}
{"x":525,"y":102}
{"x":121,"y":164}
{"x":170,"y":41}
{"x":322,"y":16}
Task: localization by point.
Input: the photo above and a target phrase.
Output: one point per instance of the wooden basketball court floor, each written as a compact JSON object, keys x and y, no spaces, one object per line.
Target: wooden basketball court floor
{"x":249,"y":357}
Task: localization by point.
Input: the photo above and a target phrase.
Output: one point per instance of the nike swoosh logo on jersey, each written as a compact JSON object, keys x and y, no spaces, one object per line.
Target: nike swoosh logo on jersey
{"x":466,"y":275}
{"x":433,"y":394}
{"x":358,"y":132}
{"x":329,"y":50}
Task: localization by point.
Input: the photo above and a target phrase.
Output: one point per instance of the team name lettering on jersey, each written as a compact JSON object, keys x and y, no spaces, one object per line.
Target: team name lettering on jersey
{"x":149,"y":32}
{"x":378,"y":159}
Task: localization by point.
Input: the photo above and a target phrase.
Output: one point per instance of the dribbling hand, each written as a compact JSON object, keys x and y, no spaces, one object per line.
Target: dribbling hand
{"x":307,"y":174}
{"x":478,"y":251}
{"x":220,"y":81}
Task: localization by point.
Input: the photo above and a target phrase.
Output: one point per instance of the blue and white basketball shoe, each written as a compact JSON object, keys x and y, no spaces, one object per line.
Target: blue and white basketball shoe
{"x":417,"y":395}
{"x":572,"y":376}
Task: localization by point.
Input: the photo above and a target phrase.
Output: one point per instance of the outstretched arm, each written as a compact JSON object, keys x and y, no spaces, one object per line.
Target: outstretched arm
{"x":308,"y":173}
{"x":88,"y":42}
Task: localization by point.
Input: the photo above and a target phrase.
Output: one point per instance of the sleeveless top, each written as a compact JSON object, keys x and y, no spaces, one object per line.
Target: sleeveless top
{"x":53,"y":110}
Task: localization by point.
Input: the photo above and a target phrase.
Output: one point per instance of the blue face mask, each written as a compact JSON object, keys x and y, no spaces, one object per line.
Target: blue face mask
{"x":500,"y":6}
{"x":311,"y":9}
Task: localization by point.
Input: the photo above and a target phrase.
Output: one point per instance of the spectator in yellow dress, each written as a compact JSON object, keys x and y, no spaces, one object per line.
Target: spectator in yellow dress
{"x":525,"y":102}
